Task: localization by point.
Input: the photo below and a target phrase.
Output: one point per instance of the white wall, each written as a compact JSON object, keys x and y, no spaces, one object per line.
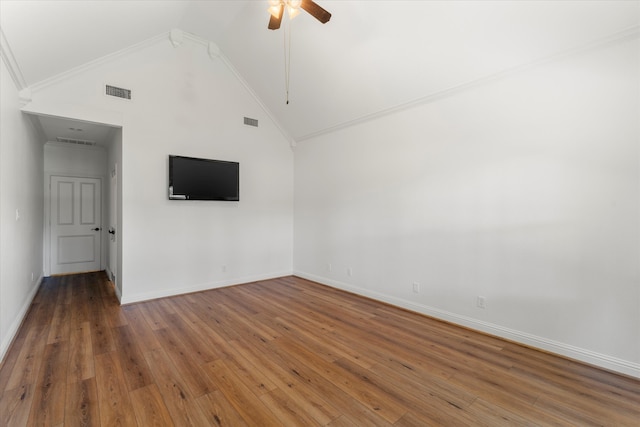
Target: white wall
{"x":186,"y":103}
{"x":62,"y":158}
{"x":21,"y":175}
{"x":525,"y":191}
{"x":72,"y":160}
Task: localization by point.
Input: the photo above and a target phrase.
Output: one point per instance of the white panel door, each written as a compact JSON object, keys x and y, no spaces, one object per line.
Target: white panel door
{"x":75,"y":224}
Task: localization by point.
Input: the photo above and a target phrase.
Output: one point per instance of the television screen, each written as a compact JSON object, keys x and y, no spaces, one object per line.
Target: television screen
{"x":203,"y":179}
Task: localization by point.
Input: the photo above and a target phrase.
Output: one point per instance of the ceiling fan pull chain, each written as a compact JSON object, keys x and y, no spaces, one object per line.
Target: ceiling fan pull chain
{"x":287,"y":57}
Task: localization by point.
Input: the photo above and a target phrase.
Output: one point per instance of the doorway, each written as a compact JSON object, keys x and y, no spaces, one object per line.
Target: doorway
{"x":87,"y":145}
{"x":77,"y":167}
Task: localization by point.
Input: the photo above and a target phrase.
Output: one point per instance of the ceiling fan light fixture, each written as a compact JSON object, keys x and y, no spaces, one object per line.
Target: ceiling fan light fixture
{"x":292,"y":11}
{"x":275,"y":10}
{"x":277,"y":7}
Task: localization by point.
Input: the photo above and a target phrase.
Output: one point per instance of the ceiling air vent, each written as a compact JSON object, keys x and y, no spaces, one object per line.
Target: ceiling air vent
{"x":118,"y":92}
{"x":250,"y":122}
{"x":76,"y":141}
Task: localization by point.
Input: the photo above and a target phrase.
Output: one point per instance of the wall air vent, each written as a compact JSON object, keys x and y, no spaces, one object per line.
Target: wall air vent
{"x":76,"y":141}
{"x":118,"y":92}
{"x":250,"y":122}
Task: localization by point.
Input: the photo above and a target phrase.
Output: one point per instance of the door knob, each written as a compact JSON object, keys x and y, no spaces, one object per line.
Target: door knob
{"x":96,"y":229}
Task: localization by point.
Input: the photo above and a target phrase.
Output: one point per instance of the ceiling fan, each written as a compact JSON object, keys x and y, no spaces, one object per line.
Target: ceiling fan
{"x":293,"y":8}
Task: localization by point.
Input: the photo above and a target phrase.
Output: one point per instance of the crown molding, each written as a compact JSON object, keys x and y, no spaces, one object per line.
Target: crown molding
{"x":12,"y":65}
{"x":619,"y":36}
{"x":176,"y":36}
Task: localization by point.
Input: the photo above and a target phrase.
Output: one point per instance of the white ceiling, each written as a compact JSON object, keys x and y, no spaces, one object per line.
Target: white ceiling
{"x":372,"y":57}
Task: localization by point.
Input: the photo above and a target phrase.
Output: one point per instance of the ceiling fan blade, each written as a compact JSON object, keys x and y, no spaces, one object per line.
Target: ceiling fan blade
{"x":274,"y":22}
{"x":316,"y":11}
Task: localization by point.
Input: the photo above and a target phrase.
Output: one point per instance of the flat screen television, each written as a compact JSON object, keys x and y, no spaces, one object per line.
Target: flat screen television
{"x":192,"y":178}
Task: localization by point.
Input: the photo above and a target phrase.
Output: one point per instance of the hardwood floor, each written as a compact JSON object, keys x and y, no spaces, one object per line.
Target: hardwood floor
{"x":282,"y":352}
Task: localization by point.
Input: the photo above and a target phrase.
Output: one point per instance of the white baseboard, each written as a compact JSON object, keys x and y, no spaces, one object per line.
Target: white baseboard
{"x":145,"y":296}
{"x":15,"y":325}
{"x":587,"y":356}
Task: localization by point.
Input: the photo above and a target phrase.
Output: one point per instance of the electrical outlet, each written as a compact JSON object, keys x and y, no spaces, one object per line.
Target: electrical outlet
{"x":481,"y":302}
{"x":416,"y":287}
{"x":329,"y":267}
{"x":349,"y":271}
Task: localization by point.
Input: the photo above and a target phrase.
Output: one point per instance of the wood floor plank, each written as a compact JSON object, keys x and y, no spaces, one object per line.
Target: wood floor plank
{"x":581,"y":413}
{"x":80,"y":302}
{"x":81,"y":408}
{"x":247,"y":325}
{"x":411,"y":419}
{"x":37,"y":320}
{"x":400,"y":358}
{"x":9,"y":362}
{"x":204,"y":332}
{"x":145,"y":338}
{"x":198,"y":349}
{"x":545,"y":374}
{"x":25,"y":369}
{"x":489,"y":414}
{"x":572,"y":392}
{"x":149,"y":407}
{"x":81,"y":363}
{"x":48,"y":404}
{"x":286,"y":410}
{"x":344,"y":421}
{"x":219,"y":412}
{"x":114,"y":315}
{"x":244,"y":401}
{"x":206,"y":308}
{"x":176,"y":396}
{"x":152,"y":313}
{"x":60,"y":324}
{"x":113,"y":397}
{"x":189,"y":369}
{"x":437,"y":393}
{"x":134,"y":366}
{"x":376,"y":400}
{"x":279,"y":373}
{"x":313,"y":341}
{"x":101,"y":337}
{"x":15,"y":405}
{"x":50,"y":389}
{"x":284,"y":351}
{"x":442,"y":406}
{"x":251,"y":376}
{"x":341,"y":400}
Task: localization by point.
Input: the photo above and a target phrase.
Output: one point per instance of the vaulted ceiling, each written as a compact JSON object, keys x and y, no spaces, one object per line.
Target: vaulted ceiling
{"x":371,"y":58}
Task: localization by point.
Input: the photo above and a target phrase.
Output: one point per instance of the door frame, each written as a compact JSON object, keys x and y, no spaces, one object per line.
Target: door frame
{"x":112,"y":222}
{"x":47,"y":217}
